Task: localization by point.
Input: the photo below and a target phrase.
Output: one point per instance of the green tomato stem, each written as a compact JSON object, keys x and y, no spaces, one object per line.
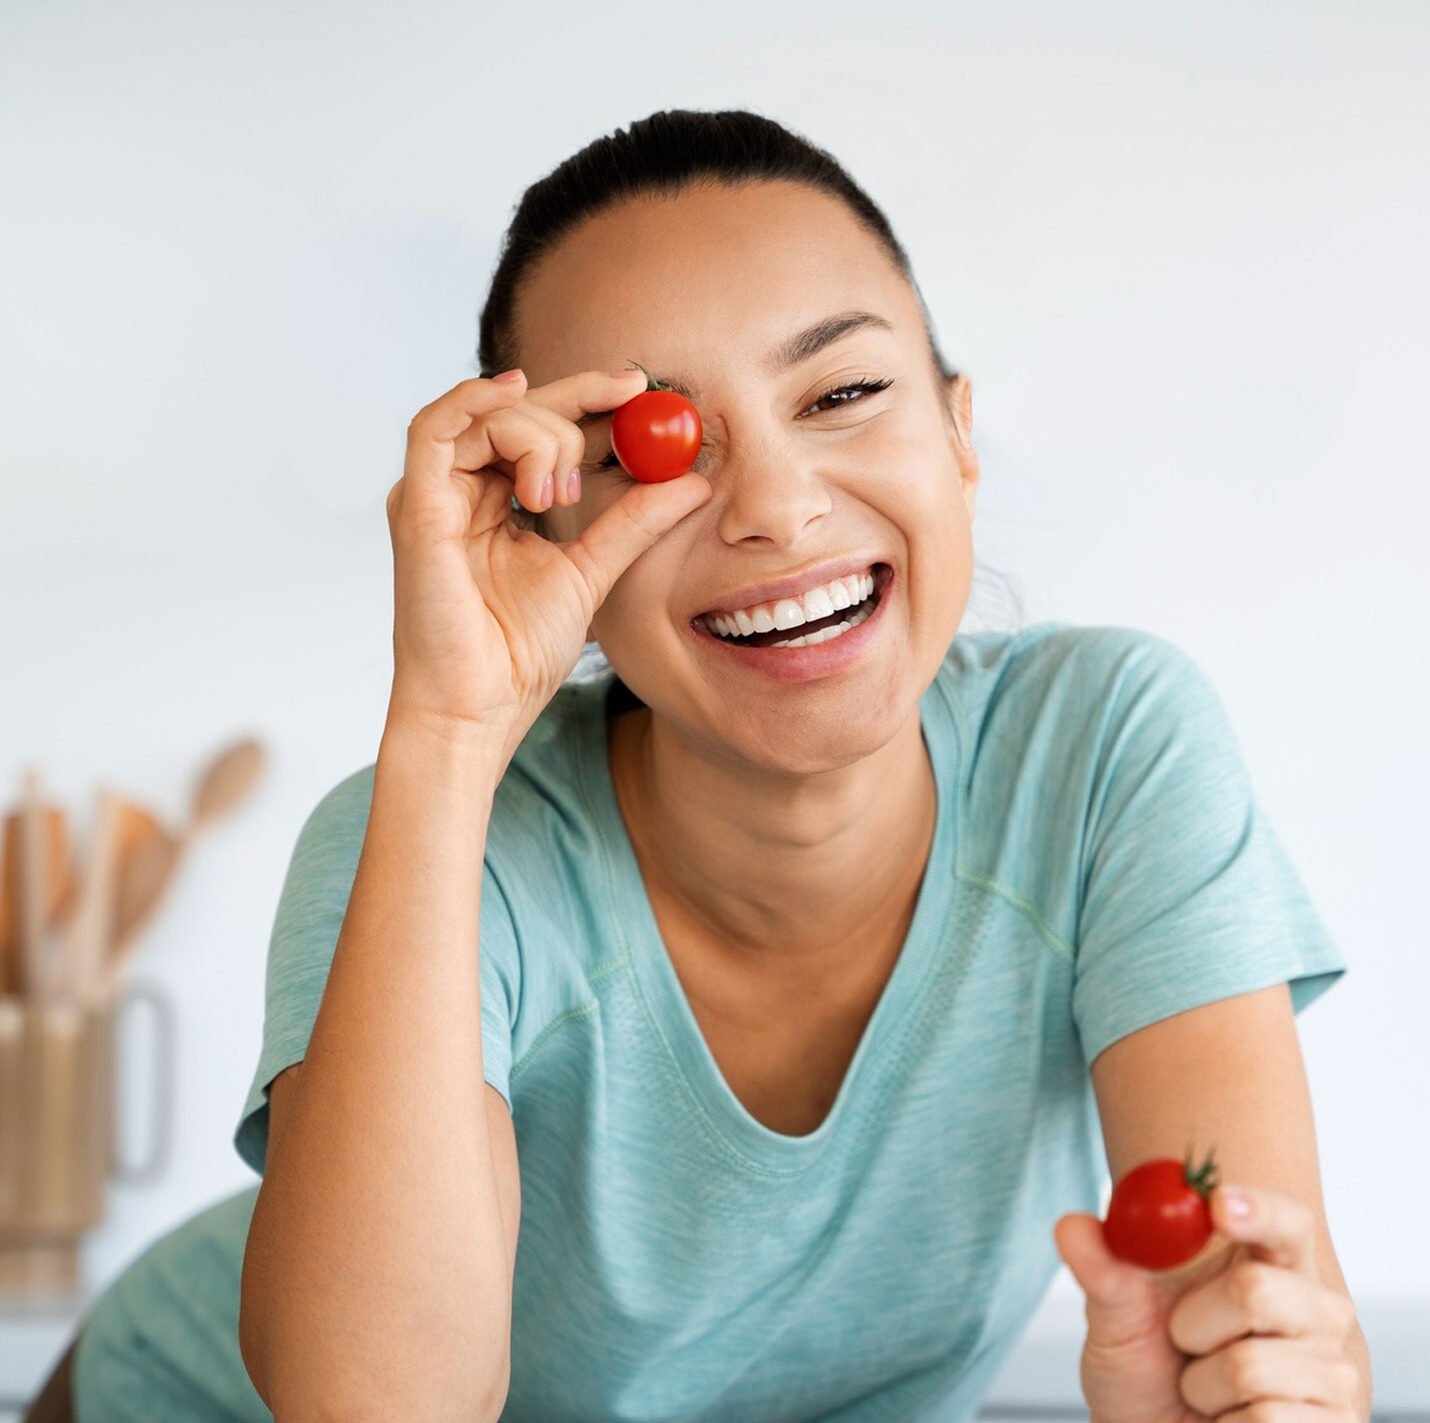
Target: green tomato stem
{"x":651,"y":382}
{"x":1202,"y":1179}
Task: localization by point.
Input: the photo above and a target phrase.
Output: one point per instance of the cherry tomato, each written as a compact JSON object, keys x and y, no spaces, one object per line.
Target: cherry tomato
{"x":656,"y":434}
{"x":1158,"y":1216}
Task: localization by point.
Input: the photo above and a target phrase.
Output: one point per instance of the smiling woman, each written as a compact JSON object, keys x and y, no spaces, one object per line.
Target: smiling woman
{"x":758,"y":984}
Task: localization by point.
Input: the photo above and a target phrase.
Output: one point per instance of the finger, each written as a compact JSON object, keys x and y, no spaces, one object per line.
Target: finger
{"x":1277,"y":1370}
{"x":432,"y":432}
{"x":621,"y":533}
{"x":588,"y":392}
{"x":1253,"y":1297}
{"x":1280,"y":1229}
{"x":518,"y":444}
{"x":1111,"y":1285}
{"x":571,"y":447}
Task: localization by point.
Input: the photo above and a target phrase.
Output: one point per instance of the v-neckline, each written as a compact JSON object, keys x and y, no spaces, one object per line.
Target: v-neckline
{"x":671,"y":1015}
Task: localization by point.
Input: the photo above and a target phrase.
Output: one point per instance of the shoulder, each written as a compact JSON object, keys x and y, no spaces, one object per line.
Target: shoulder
{"x":1044,"y":717}
{"x":343,"y":809}
{"x":1047,"y":649}
{"x":1053,"y":681}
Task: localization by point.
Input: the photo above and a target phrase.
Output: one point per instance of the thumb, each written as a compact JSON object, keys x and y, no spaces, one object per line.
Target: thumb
{"x":613,"y":541}
{"x":1112,"y":1286}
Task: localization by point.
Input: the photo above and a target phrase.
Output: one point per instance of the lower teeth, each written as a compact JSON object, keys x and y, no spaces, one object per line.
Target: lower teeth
{"x":825,"y":634}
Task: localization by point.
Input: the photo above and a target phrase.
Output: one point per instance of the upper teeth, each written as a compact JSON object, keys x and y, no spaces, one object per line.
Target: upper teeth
{"x":792,"y":612}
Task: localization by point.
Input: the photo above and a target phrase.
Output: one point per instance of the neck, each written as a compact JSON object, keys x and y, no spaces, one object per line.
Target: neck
{"x":771,"y":872}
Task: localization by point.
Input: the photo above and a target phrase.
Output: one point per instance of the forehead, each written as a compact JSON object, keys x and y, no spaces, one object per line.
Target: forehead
{"x":663,"y":280}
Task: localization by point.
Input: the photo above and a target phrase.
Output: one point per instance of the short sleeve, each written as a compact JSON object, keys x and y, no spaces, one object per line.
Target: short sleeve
{"x":1187,"y":893}
{"x":311,"y":908}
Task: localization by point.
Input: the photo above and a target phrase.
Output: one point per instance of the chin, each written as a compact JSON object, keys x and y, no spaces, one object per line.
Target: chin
{"x":813,"y":744}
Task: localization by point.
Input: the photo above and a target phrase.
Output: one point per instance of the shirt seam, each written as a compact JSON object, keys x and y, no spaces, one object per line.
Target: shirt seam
{"x":572,"y":1015}
{"x":1025,"y":906}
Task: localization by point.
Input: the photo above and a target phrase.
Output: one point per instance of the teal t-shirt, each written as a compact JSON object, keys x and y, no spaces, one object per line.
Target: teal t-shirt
{"x":1099,"y":862}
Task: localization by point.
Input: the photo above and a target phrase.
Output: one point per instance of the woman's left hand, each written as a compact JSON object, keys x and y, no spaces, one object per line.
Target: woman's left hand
{"x":1255,"y":1325}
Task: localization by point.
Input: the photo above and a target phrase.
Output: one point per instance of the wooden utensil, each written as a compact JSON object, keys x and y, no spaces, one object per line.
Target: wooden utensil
{"x":36,"y":942}
{"x":88,"y":931}
{"x":12,"y":1103}
{"x":225,"y":781}
{"x":60,"y":881}
{"x":60,"y":885}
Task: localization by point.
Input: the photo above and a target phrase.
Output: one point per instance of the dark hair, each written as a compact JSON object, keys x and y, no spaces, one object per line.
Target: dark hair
{"x":663,"y":153}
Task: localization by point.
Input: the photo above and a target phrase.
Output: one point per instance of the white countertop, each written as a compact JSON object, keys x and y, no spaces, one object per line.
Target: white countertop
{"x":1039,"y":1380}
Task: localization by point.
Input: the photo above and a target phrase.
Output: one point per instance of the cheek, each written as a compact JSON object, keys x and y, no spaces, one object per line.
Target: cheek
{"x":910,"y":472}
{"x":635,"y":610}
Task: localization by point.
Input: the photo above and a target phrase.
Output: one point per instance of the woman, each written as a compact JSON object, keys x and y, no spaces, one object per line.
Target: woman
{"x":812,"y":974}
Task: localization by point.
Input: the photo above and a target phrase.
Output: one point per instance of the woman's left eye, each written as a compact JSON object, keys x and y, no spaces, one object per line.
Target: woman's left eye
{"x":851,"y":393}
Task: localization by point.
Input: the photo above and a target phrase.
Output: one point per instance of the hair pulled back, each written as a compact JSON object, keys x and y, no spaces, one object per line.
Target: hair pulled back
{"x":664,"y":153}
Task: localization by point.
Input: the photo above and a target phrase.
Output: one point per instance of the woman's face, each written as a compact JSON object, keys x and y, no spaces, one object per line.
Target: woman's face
{"x":704,"y":289}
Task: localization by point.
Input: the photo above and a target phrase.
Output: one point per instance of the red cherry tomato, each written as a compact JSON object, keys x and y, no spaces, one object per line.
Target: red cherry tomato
{"x":656,"y":434}
{"x":1158,"y":1216}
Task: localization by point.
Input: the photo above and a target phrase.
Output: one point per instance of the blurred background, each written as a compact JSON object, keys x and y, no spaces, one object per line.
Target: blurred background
{"x":1179,"y":248}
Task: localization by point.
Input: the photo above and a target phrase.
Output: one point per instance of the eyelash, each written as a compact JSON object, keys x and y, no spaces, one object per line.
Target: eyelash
{"x":865,"y":387}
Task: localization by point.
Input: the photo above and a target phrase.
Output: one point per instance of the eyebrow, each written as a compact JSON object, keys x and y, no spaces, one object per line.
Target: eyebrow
{"x":792,"y":351}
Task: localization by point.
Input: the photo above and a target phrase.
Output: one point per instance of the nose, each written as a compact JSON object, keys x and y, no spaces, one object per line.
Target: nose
{"x":768,"y":492}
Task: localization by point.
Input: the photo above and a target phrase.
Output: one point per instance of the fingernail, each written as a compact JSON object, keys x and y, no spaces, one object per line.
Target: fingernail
{"x":1237,"y":1206}
{"x":573,"y":486}
{"x":547,"y":492}
{"x":510,"y":377}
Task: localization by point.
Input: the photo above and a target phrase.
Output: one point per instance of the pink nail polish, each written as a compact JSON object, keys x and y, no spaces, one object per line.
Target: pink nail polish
{"x":547,"y":492}
{"x":573,"y":487}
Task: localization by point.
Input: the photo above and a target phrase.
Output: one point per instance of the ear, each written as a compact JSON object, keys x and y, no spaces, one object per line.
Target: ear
{"x":960,"y":406}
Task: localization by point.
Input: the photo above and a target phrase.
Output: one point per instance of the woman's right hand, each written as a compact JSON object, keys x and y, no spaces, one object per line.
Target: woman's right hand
{"x":490,"y":618}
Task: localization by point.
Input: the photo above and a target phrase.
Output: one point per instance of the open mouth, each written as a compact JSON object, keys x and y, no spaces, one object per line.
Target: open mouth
{"x":815,"y":630}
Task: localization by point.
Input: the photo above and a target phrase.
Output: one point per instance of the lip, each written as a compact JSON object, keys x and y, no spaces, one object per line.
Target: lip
{"x":806,"y":664}
{"x":814,"y":576}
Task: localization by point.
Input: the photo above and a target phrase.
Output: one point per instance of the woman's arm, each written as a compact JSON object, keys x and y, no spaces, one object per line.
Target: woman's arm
{"x":1264,"y":1310}
{"x":377,"y":1276}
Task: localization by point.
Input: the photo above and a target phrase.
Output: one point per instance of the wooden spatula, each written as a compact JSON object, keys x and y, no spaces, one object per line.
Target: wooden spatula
{"x":37,"y":942}
{"x":57,"y":885}
{"x":89,"y":930}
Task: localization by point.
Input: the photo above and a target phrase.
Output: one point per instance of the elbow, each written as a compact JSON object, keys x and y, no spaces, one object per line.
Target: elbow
{"x":296,"y":1390}
{"x":294,"y":1399}
{"x":496,"y":1400}
{"x":250,"y":1342}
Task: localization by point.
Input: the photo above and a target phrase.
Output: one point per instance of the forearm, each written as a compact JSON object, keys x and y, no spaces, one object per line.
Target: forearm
{"x":380,"y":1281}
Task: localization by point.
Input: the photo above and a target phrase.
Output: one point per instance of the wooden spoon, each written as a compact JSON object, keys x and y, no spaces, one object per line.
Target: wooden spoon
{"x":145,"y":858}
{"x":226,"y":780}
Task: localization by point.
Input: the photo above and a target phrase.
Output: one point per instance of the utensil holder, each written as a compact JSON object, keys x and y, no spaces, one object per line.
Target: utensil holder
{"x":59,"y":1134}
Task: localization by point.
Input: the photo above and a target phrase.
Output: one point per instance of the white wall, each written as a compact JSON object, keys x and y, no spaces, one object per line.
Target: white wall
{"x":1181,"y":250}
